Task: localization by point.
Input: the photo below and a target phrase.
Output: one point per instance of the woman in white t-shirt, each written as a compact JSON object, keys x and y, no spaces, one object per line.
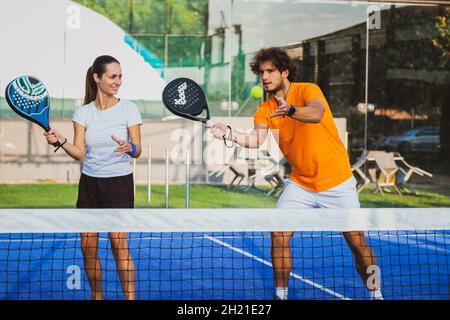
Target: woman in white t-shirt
{"x":106,"y":134}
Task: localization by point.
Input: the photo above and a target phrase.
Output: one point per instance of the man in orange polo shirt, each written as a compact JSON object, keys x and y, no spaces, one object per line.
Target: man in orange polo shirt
{"x":308,"y":138}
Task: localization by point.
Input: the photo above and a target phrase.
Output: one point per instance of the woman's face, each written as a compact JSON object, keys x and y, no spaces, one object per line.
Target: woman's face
{"x":110,"y":82}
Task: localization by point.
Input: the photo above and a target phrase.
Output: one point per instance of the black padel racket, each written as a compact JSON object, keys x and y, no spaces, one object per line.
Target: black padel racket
{"x":28,"y":97}
{"x":185,"y":98}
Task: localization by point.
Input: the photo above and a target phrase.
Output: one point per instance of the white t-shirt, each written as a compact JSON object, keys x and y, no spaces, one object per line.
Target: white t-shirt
{"x":101,"y":161}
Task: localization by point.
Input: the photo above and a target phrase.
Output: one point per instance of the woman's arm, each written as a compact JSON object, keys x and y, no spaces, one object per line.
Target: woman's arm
{"x":77,"y":150}
{"x":135,"y":137}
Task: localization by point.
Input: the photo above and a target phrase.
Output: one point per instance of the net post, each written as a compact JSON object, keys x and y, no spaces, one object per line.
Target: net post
{"x":167,"y":178}
{"x":1,"y":139}
{"x":149,"y":175}
{"x":134,"y":177}
{"x":188,"y":160}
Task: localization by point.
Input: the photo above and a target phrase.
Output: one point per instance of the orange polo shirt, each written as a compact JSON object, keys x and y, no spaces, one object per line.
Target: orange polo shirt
{"x":315,"y":151}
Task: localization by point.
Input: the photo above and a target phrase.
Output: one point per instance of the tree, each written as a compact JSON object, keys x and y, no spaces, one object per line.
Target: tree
{"x":150,"y":20}
{"x":442,"y":44}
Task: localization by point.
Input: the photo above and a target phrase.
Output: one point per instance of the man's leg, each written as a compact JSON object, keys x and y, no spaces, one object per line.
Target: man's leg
{"x":346,"y":196}
{"x":293,"y":197}
{"x":365,"y":260}
{"x":282,"y":261}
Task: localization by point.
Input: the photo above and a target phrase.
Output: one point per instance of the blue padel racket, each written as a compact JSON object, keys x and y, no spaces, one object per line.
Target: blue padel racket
{"x":185,"y":98}
{"x":28,"y":97}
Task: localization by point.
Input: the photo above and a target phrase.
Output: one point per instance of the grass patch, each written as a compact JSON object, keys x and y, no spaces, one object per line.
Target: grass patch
{"x":47,"y":195}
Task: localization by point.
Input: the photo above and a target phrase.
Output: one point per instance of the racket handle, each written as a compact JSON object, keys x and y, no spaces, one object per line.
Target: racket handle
{"x":57,"y":145}
{"x":208,"y":124}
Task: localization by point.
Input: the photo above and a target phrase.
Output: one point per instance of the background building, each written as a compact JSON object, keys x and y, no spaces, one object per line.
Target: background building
{"x":213,"y":43}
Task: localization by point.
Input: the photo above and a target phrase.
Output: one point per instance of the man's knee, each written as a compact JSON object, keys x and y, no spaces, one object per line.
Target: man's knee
{"x":357,"y":243}
{"x":281,"y":239}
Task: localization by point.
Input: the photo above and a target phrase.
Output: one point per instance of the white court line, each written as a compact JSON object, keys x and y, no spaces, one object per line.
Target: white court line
{"x":296,"y":276}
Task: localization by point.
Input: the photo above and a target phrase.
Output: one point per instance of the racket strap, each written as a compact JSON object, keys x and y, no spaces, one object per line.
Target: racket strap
{"x":59,"y":145}
{"x":230,"y":137}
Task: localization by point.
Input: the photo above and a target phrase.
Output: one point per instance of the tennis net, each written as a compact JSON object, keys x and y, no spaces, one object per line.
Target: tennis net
{"x":196,"y":254}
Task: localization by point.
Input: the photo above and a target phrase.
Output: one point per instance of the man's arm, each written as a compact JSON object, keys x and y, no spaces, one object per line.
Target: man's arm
{"x":311,"y":112}
{"x":252,"y":140}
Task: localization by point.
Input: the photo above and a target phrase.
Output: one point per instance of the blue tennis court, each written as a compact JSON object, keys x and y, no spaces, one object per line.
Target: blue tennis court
{"x":413,"y":265}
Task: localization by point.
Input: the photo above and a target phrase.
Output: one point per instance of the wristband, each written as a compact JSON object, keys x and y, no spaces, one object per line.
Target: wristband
{"x":133,"y":151}
{"x":291,"y":111}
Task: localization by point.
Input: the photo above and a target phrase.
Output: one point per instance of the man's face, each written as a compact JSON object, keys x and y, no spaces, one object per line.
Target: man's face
{"x":271,"y":78}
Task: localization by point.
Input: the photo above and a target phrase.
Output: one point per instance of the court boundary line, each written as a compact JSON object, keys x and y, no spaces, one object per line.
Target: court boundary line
{"x":261,"y":260}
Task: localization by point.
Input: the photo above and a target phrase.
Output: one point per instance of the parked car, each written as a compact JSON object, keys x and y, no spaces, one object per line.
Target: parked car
{"x":426,"y":140}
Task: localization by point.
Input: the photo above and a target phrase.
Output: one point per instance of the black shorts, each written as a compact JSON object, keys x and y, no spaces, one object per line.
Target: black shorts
{"x":115,"y":192}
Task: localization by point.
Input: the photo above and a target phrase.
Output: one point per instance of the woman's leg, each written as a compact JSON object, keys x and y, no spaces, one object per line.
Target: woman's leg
{"x":124,"y":263}
{"x":92,"y":265}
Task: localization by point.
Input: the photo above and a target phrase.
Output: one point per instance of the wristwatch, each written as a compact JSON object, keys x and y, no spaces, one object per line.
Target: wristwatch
{"x":291,"y":111}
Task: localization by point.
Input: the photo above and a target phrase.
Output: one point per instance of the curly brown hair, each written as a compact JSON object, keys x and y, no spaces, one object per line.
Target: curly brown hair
{"x":278,"y":57}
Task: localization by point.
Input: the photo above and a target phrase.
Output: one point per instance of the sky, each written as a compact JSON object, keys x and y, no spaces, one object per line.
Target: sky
{"x":281,"y":22}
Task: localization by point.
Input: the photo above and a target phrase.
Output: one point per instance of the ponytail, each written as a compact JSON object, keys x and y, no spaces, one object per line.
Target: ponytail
{"x":91,"y":87}
{"x":98,"y":67}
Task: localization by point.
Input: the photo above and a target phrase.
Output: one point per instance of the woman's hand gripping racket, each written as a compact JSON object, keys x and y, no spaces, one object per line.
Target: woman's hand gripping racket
{"x":185,"y":98}
{"x":28,"y":97}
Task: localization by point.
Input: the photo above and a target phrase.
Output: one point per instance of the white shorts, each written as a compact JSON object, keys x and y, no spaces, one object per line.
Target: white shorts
{"x":342,"y":196}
